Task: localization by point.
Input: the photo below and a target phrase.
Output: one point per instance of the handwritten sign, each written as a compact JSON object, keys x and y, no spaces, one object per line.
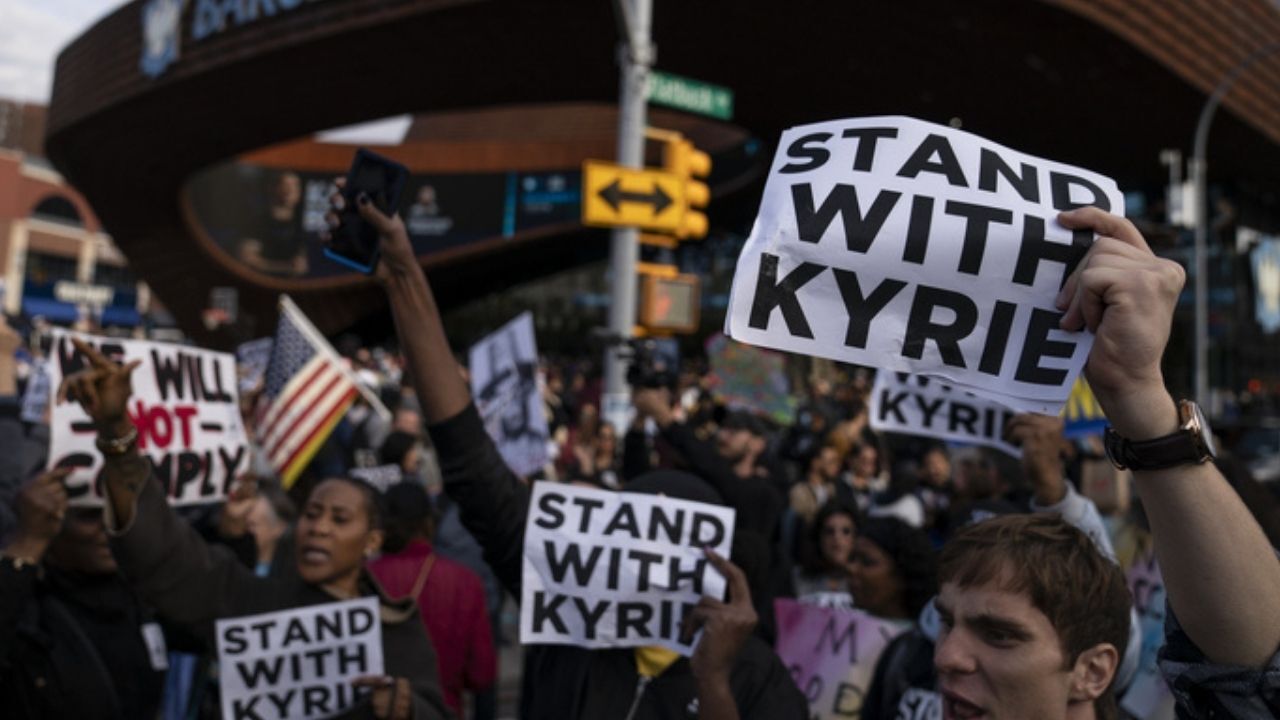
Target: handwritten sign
{"x":184,"y":405}
{"x":752,"y":379}
{"x":831,"y":653}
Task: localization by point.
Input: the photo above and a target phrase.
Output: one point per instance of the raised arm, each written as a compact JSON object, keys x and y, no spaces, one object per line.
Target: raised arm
{"x":491,"y":500}
{"x":1221,"y":574}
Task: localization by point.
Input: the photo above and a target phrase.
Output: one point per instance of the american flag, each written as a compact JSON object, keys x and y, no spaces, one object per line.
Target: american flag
{"x":306,"y":392}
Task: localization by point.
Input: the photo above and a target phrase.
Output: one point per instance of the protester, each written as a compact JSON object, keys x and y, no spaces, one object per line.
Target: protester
{"x":824,"y":578}
{"x":818,"y":485}
{"x":269,"y":521}
{"x":450,"y":597}
{"x":731,"y":674}
{"x":192,"y":585}
{"x":863,"y":478}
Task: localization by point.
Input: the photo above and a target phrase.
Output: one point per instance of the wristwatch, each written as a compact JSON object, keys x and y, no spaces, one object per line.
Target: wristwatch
{"x":1191,"y":444}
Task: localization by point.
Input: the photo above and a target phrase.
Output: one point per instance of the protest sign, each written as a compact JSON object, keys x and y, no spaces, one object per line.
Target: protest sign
{"x":381,"y":477}
{"x":252,"y":359}
{"x":917,"y":405}
{"x":1082,"y":415}
{"x":504,"y":382}
{"x":831,"y":654}
{"x":184,"y":405}
{"x":908,"y":246}
{"x":607,"y":569}
{"x":298,"y":663}
{"x":752,"y":379}
{"x":1148,"y":694}
{"x":35,"y":401}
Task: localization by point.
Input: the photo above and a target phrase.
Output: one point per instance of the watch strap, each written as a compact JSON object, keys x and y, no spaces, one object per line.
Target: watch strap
{"x":1162,"y":453}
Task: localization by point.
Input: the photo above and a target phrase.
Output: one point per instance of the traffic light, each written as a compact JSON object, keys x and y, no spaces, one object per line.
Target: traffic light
{"x":669,"y":302}
{"x":688,"y":164}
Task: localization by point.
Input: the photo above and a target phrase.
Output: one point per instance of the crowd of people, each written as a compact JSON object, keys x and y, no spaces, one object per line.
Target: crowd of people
{"x":1006,"y":583}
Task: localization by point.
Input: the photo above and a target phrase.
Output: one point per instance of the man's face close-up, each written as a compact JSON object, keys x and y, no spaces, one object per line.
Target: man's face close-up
{"x":998,"y":657}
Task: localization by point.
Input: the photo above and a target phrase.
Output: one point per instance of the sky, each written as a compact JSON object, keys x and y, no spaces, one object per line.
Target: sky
{"x":31,"y":34}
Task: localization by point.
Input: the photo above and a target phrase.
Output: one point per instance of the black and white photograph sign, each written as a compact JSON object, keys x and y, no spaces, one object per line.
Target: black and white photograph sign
{"x":504,"y":382}
{"x":909,"y":246}
{"x":917,"y":405}
{"x":298,"y":663}
{"x":609,"y":569}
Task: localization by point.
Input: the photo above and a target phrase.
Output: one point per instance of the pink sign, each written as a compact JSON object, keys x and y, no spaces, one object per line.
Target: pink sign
{"x":831,"y":654}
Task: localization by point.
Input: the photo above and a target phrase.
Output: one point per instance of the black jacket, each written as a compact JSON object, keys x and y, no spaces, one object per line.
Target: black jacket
{"x":570,"y":683}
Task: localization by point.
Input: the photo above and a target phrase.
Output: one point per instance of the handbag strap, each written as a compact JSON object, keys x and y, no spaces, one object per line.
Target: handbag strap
{"x":421,"y":582}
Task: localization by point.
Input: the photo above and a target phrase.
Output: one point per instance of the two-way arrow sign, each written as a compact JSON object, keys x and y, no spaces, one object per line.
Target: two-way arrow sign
{"x":614,"y":196}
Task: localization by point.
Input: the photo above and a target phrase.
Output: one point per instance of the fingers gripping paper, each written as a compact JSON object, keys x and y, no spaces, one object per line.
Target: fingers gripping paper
{"x":915,"y":247}
{"x":605,"y":569}
{"x":185,"y":406}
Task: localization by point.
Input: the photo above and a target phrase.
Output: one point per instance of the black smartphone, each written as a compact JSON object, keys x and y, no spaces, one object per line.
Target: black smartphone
{"x":354,"y":242}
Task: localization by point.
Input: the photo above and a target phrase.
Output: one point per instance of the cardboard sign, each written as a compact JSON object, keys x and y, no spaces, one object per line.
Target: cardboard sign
{"x":607,"y":569}
{"x":752,"y":379}
{"x":504,"y":382}
{"x":831,"y":653}
{"x":916,"y":405}
{"x":904,"y":245}
{"x":298,"y":663}
{"x":184,"y":405}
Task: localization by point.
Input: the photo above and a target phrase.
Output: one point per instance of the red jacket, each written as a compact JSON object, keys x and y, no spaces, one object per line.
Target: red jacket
{"x":453,"y":609}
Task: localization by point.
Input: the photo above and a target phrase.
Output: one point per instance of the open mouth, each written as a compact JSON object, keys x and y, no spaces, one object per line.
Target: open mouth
{"x":956,"y":708}
{"x":313,"y":556}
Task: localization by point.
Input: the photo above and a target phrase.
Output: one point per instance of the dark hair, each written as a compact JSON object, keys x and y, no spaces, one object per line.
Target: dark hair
{"x":396,"y":447}
{"x":1056,"y":566}
{"x":915,"y":562}
{"x":814,"y":563}
{"x":373,"y":502}
{"x":408,"y":514}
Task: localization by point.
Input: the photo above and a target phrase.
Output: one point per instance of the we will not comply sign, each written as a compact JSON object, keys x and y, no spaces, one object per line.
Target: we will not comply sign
{"x":914,"y":247}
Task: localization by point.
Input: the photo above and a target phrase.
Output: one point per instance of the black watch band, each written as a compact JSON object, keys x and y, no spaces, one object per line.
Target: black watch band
{"x":1190,"y":444}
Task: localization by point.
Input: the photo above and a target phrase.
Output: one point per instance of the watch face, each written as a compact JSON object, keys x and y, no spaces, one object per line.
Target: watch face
{"x":1205,"y":434}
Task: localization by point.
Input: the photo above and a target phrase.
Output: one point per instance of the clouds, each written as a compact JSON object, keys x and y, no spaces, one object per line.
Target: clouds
{"x":32,"y":32}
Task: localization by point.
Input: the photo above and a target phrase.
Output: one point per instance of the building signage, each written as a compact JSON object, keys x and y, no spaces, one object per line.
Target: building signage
{"x":162,"y":27}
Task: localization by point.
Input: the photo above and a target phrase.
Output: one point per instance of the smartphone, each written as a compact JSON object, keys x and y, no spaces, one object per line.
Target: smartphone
{"x":354,"y":242}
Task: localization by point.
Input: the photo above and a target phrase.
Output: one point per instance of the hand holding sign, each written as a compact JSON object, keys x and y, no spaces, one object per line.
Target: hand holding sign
{"x":726,"y":625}
{"x":1040,"y":437}
{"x":102,"y":390}
{"x":1125,"y":295}
{"x":391,"y":697}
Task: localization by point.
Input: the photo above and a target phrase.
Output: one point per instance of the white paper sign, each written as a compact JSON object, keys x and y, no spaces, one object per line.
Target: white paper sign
{"x":608,"y":569}
{"x":298,"y":663}
{"x":917,"y":405}
{"x":915,"y":247}
{"x":184,"y":405}
{"x":504,"y":382}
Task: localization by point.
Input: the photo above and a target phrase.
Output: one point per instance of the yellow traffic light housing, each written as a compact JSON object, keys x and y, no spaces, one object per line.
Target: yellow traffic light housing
{"x":689,"y":164}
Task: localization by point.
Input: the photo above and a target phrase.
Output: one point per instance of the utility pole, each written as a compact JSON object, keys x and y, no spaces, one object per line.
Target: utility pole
{"x":635,"y":58}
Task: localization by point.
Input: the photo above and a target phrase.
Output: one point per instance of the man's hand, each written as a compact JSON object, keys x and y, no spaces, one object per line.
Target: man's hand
{"x":726,"y":625}
{"x":41,"y":505}
{"x":1125,"y":295}
{"x":103,"y":390}
{"x":653,"y":403}
{"x":1041,"y":440}
{"x":397,"y":257}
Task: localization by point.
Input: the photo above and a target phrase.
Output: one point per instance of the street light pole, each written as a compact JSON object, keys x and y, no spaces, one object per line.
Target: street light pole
{"x":1197,"y":171}
{"x":635,"y":57}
